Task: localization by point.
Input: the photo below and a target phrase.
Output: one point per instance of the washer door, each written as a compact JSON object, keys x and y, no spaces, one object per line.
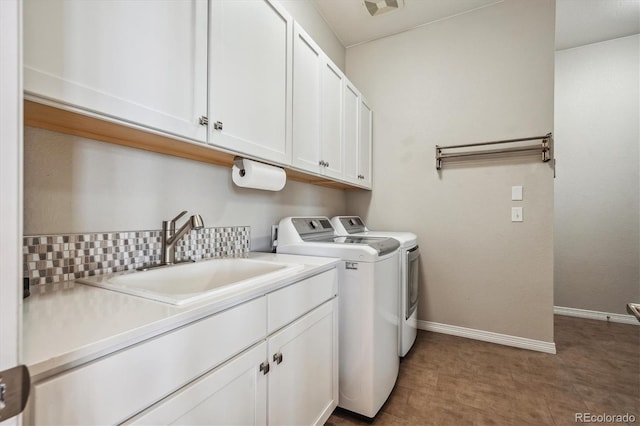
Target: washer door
{"x":413,"y":256}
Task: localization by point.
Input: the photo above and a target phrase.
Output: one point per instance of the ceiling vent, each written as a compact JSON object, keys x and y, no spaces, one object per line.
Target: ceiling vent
{"x":378,"y":7}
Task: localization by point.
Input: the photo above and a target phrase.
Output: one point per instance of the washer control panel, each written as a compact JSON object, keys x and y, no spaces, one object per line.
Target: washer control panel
{"x":312,"y":226}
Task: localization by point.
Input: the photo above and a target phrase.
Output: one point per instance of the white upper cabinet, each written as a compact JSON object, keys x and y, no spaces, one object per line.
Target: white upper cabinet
{"x":357,"y":137}
{"x":365,"y":143}
{"x":318,"y":108}
{"x":351,"y":132}
{"x":143,"y":62}
{"x":250,"y":59}
{"x":238,"y":74}
{"x":332,"y":120}
{"x":308,"y":61}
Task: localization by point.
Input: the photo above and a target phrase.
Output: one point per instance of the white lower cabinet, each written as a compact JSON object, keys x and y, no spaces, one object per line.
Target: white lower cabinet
{"x":235,"y":393}
{"x":303,"y":381}
{"x":291,"y":379}
{"x":115,"y":387}
{"x":272,"y":360}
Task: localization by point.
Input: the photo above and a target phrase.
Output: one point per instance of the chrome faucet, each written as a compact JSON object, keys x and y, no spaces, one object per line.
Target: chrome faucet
{"x":170,"y":237}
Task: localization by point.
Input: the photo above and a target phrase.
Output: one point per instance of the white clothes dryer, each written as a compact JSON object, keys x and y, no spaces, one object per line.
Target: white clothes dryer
{"x":409,"y":257}
{"x":368,"y":307}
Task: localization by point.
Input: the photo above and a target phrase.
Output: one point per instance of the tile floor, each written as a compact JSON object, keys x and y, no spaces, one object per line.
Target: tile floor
{"x":447,"y":380}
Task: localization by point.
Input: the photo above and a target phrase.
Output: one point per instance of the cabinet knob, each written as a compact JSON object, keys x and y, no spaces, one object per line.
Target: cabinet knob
{"x":203,"y":120}
{"x":277,"y":358}
{"x":264,"y":367}
{"x":326,"y":164}
{"x":217,"y":125}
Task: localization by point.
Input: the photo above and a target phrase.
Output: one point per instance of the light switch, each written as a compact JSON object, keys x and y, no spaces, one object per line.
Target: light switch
{"x":516,"y":193}
{"x":516,"y":214}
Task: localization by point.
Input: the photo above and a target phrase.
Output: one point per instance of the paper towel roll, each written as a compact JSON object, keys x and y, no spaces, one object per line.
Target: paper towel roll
{"x":259,"y":176}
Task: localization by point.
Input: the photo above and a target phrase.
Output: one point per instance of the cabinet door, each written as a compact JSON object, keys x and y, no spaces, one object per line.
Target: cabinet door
{"x":351,"y":132}
{"x":303,"y":386}
{"x":144,"y":62}
{"x":250,"y":78}
{"x":307,"y":101}
{"x":332,"y":104}
{"x":233,"y":394}
{"x":119,"y":385}
{"x":364,"y":148}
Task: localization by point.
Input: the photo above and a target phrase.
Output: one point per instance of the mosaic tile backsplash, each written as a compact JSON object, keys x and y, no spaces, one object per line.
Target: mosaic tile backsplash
{"x":55,"y":258}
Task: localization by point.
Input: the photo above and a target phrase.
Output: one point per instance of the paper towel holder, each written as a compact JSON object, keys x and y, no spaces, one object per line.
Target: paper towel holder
{"x":239,"y":163}
{"x":248,"y":173}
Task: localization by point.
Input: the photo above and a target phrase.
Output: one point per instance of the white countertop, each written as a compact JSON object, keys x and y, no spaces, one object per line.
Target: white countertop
{"x":67,"y":324}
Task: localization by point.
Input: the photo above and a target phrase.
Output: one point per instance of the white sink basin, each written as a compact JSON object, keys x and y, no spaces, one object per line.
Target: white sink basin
{"x":190,"y":282}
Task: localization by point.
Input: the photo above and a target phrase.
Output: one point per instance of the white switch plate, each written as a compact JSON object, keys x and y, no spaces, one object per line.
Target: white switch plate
{"x":516,"y":214}
{"x":516,"y":193}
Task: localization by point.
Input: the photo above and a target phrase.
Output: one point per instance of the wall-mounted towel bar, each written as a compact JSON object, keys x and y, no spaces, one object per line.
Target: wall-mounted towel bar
{"x":545,"y":148}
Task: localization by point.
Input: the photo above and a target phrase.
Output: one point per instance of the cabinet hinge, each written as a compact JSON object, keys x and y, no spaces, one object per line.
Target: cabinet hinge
{"x":203,"y":120}
{"x":264,"y":367}
{"x":15,"y":384}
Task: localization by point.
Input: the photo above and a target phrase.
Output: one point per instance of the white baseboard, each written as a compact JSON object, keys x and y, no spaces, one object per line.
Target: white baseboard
{"x":596,"y":315}
{"x":488,"y":336}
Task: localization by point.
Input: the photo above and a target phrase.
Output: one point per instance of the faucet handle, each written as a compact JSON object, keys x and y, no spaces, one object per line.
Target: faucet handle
{"x":179,"y":216}
{"x":170,"y":225}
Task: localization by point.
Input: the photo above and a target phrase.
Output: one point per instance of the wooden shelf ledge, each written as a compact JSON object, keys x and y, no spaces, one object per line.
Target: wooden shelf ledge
{"x":73,"y":123}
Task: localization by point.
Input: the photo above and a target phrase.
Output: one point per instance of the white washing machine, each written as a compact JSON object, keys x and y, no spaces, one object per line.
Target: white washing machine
{"x":368,"y":307}
{"x":409,"y":254}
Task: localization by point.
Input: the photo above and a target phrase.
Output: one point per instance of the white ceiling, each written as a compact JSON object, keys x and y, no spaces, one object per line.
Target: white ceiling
{"x":353,"y":25}
{"x":578,"y":22}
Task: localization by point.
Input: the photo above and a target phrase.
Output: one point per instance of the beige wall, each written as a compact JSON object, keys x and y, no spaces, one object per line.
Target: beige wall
{"x":597,"y":201}
{"x":484,"y":75}
{"x":73,"y":184}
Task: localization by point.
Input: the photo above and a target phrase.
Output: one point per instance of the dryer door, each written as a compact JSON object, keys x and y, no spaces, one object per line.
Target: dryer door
{"x":413,"y":256}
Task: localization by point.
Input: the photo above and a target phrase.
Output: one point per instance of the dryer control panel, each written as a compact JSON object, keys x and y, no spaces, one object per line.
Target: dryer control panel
{"x":352,"y":224}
